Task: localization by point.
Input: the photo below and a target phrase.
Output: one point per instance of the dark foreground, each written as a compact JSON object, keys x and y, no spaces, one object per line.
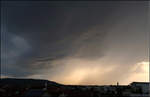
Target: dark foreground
{"x":43,"y":88}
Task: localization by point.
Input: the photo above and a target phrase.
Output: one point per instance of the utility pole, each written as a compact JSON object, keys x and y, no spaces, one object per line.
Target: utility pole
{"x":45,"y":88}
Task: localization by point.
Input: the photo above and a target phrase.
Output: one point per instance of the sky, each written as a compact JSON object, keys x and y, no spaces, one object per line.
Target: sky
{"x":81,"y":43}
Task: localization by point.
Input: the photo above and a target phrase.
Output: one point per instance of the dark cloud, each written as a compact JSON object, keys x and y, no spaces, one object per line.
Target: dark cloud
{"x":51,"y":33}
{"x":41,"y":38}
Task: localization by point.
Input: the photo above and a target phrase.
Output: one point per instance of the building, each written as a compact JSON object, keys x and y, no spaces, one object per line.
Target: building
{"x":144,"y":86}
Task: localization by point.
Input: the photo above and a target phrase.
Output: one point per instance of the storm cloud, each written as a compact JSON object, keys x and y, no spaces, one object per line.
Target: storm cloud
{"x":60,"y":42}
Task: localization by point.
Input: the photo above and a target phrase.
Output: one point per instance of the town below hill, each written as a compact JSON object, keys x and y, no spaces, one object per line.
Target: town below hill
{"x":12,"y":87}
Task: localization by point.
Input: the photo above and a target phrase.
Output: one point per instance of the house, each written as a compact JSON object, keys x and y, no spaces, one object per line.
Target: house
{"x":36,"y":93}
{"x":144,"y":86}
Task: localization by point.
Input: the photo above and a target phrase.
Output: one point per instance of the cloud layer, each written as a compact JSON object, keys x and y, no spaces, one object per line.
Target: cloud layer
{"x":75,"y":45}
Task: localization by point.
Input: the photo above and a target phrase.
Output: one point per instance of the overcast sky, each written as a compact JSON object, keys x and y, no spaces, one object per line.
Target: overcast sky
{"x":76,"y":42}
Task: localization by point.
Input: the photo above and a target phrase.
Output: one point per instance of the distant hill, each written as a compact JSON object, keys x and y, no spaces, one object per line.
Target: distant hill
{"x":26,"y":82}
